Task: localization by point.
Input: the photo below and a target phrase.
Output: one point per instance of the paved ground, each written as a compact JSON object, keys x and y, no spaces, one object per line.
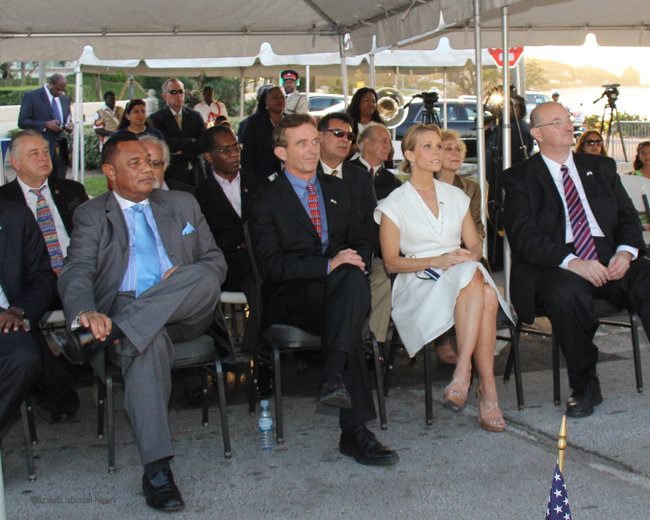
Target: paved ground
{"x":450,"y":470}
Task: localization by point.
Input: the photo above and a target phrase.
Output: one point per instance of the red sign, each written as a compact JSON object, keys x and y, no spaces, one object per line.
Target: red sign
{"x":513,"y":59}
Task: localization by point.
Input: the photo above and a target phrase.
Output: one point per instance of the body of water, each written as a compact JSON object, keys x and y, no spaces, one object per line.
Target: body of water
{"x":631,"y":100}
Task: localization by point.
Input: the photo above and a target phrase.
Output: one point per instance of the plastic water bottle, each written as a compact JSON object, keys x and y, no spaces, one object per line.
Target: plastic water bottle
{"x":266,"y":426}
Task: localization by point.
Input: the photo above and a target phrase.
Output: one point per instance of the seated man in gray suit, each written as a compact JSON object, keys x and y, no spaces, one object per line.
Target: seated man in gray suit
{"x":142,"y":271}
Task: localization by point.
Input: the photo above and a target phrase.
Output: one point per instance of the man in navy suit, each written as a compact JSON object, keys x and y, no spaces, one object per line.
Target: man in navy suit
{"x":47,"y":110}
{"x":27,"y":289}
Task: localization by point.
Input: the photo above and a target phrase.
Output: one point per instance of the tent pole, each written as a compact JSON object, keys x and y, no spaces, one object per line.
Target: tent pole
{"x":307,"y":85}
{"x":506,"y":142}
{"x":444,"y":100}
{"x":371,"y":64}
{"x":3,"y":511}
{"x":344,"y":71}
{"x":480,"y":124}
{"x":77,"y":136}
{"x":241,"y":94}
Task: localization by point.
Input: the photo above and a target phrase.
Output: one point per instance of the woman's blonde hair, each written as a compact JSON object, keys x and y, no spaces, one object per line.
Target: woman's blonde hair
{"x":411,"y":139}
{"x":454,"y":135}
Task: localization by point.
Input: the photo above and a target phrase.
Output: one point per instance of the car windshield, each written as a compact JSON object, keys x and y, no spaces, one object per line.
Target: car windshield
{"x":535,"y":98}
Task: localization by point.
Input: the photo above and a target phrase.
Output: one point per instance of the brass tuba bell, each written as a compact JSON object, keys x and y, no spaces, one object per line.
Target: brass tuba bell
{"x":390,"y":105}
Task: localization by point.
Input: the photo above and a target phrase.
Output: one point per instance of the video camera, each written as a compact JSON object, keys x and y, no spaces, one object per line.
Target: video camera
{"x":612,"y":93}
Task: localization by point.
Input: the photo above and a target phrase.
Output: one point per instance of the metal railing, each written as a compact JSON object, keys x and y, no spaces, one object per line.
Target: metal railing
{"x":633,"y":132}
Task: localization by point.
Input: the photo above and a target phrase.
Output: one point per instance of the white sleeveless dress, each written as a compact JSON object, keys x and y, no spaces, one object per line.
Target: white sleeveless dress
{"x":423,"y":309}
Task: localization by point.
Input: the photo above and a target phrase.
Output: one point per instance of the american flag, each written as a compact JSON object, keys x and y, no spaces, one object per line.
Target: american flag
{"x":558,"y":500}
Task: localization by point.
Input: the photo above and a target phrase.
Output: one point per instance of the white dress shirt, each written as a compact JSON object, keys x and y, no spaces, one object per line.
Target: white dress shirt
{"x":232,"y":191}
{"x":556,"y":173}
{"x":328,"y":171}
{"x":211,"y":112}
{"x":58,"y":102}
{"x":3,"y":299}
{"x":31,"y":198}
{"x":368,"y":165}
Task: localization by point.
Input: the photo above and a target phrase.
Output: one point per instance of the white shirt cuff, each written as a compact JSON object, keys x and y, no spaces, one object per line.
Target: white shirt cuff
{"x":632,"y":250}
{"x":565,"y":262}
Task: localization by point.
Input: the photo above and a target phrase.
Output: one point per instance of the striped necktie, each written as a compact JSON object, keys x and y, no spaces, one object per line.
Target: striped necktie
{"x":48,"y":228}
{"x":179,"y":121}
{"x":314,"y":210}
{"x":582,"y":239}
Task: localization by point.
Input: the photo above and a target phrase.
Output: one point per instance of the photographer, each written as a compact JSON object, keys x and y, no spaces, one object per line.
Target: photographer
{"x":47,"y":110}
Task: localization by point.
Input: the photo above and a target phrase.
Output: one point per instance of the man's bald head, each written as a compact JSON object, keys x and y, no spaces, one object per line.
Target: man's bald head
{"x":552,"y":127}
{"x":375,"y":143}
{"x":57,"y":84}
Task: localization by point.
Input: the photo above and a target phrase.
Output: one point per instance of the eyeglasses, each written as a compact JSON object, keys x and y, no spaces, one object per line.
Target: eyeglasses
{"x":592,"y":142}
{"x":236,"y":148}
{"x":175,"y":91}
{"x":342,"y":133}
{"x":558,"y":122}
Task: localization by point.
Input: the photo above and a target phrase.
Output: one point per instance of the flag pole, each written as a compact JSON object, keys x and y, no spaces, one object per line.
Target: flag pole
{"x":561,"y":444}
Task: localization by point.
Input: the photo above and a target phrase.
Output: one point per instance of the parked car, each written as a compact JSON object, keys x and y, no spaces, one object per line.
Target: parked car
{"x":534,"y":98}
{"x":461,"y":116}
{"x":319,"y":102}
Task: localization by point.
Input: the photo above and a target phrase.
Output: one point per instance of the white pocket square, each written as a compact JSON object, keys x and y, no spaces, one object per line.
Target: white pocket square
{"x":189,"y":228}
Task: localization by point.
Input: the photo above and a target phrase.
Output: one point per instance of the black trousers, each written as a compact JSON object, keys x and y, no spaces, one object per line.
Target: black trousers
{"x":568,"y":301}
{"x":20,"y":365}
{"x":336,"y":308}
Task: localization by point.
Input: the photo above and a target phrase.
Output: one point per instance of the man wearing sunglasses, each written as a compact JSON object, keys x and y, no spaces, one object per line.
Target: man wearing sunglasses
{"x":183,"y":128}
{"x":575,"y":236}
{"x":336,"y":136}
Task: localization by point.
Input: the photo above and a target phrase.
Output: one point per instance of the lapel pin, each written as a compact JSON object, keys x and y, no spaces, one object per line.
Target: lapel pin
{"x":589,"y":173}
{"x":333,"y":201}
{"x":245,"y":190}
{"x":56,"y":192}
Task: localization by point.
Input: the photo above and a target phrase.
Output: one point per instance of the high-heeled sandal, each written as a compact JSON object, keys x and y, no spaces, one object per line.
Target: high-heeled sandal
{"x":446,"y":353}
{"x":490,"y":416}
{"x":454,"y":397}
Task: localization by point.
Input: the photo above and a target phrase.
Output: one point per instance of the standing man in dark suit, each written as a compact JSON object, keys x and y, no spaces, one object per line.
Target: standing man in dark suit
{"x":142,"y":268}
{"x":226,"y":199}
{"x":311,"y":250}
{"x":183,"y":128}
{"x":47,"y":110}
{"x":575,"y":236}
{"x":27,"y":289}
{"x":335,"y":134}
{"x":375,"y":145}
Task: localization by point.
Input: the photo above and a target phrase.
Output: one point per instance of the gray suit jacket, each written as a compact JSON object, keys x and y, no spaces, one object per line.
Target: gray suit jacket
{"x":98,"y":254}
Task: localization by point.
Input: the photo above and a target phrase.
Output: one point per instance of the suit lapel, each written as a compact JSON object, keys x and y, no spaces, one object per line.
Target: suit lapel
{"x":293,"y":206}
{"x":546,"y":180}
{"x":222,"y":200}
{"x":61,"y":202}
{"x":115,"y":217}
{"x":3,"y":239}
{"x":47,"y":103}
{"x":164,"y":217}
{"x":331,"y":204}
{"x":246,"y":196}
{"x":172,"y":124}
{"x":588,"y":185}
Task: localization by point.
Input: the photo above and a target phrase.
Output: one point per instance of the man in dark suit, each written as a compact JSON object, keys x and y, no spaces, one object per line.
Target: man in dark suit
{"x":335,"y":134}
{"x":142,"y":268}
{"x":27,"y":289}
{"x":575,"y":236}
{"x":183,"y":128}
{"x":375,"y":145}
{"x":311,"y":250}
{"x":47,"y":110}
{"x":226,"y":199}
{"x":35,"y":187}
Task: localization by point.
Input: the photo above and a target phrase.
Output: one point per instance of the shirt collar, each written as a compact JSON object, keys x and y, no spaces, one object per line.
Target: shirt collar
{"x":368,"y":165}
{"x":328,"y":171}
{"x":26,"y":188}
{"x":299,"y":184}
{"x":174,"y":111}
{"x":226,"y":182}
{"x":127,"y":204}
{"x":555,"y":168}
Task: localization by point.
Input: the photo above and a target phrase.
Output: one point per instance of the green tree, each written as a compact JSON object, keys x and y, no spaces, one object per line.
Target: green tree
{"x":630,"y":77}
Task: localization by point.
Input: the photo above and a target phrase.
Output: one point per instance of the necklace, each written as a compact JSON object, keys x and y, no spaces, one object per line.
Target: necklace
{"x":133,"y":131}
{"x":425,"y":200}
{"x":428,"y":214}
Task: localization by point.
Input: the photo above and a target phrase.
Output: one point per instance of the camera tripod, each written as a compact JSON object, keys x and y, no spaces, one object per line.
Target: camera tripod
{"x":612,"y":95}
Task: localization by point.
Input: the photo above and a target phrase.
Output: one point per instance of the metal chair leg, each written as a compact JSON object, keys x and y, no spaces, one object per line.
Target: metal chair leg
{"x":428,"y":380}
{"x":514,"y":353}
{"x":277,"y":383}
{"x":29,"y":405}
{"x":225,"y":431}
{"x":101,"y":408}
{"x":29,"y":455}
{"x":390,"y":362}
{"x":638,"y":371}
{"x":556,"y":373}
{"x":110,"y":408}
{"x":255,"y":372}
{"x":204,"y":398}
{"x":380,"y":387}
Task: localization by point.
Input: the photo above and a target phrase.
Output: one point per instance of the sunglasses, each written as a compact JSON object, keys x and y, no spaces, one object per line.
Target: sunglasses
{"x":174,"y":92}
{"x":592,"y":142}
{"x":342,"y":133}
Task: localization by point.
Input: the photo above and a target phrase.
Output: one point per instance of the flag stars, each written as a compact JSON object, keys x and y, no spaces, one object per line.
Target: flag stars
{"x":557,"y":493}
{"x":557,"y":477}
{"x":558,"y":509}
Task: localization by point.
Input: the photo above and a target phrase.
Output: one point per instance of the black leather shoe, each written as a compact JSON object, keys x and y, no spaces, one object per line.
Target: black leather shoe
{"x":161,"y":492}
{"x":582,"y":401}
{"x":333,"y":392}
{"x":362,"y":444}
{"x":77,"y":346}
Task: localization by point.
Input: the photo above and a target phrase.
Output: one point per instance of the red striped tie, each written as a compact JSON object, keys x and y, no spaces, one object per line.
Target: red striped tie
{"x":314,"y":210}
{"x":582,"y":239}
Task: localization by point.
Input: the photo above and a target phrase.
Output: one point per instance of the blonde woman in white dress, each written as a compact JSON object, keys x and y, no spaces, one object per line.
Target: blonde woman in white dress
{"x":440,"y":284}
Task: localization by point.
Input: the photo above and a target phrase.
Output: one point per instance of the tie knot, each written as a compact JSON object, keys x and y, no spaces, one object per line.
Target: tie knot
{"x":335,"y":173}
{"x":36,"y":191}
{"x":310,"y":188}
{"x":138,"y":208}
{"x":564,"y":169}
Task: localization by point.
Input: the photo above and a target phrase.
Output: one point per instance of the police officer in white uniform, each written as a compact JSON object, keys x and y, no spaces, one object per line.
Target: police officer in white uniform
{"x":296,"y":103}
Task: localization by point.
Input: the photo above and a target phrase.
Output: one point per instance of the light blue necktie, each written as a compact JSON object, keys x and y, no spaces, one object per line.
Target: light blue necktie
{"x":57,"y":112}
{"x":147,"y":263}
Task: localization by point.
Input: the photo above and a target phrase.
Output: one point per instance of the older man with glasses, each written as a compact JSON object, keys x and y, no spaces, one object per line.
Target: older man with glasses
{"x":575,"y":236}
{"x":183,"y":128}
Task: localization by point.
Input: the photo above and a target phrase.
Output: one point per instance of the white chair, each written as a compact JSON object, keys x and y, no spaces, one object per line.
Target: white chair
{"x":624,"y":168}
{"x":234,"y":299}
